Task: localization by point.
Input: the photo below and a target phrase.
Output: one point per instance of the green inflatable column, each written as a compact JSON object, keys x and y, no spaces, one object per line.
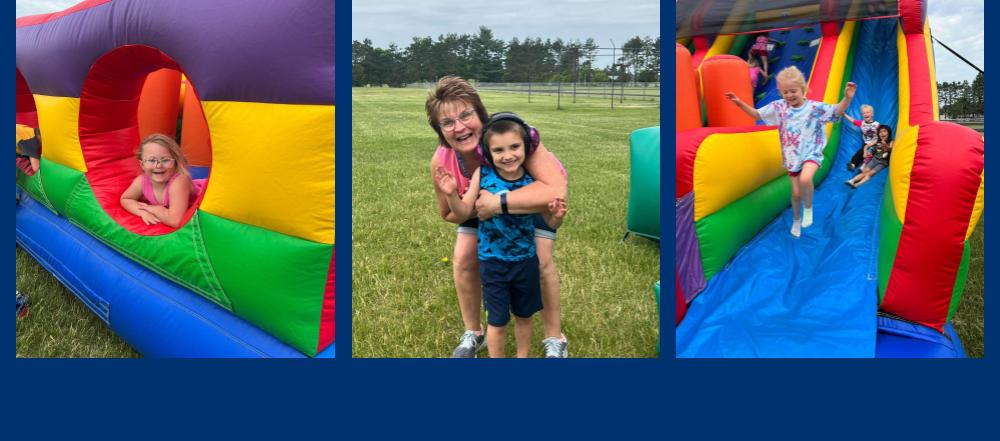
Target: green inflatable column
{"x":644,"y":183}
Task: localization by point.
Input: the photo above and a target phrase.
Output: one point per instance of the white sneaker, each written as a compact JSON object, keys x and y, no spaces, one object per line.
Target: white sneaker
{"x":556,"y":347}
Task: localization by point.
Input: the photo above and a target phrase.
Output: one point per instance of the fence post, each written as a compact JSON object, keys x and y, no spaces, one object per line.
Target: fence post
{"x":559,"y":94}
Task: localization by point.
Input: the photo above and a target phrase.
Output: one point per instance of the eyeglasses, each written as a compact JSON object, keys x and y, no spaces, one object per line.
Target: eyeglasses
{"x":167,"y":162}
{"x":464,"y":118}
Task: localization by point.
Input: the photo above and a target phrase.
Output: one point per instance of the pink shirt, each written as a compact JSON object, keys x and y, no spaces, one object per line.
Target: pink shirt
{"x":150,"y":196}
{"x":755,"y":74}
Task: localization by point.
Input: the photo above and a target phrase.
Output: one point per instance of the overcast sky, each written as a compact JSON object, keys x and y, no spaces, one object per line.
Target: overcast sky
{"x":957,"y":23}
{"x":398,"y":21}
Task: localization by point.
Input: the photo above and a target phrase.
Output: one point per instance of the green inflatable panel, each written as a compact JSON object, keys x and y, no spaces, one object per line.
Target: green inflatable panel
{"x":59,"y":183}
{"x":277,"y":283}
{"x":723,"y":233}
{"x":33,"y":185}
{"x":179,"y":256}
{"x":644,"y":183}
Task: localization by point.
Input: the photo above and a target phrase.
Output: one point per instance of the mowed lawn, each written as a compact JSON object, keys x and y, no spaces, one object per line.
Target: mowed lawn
{"x":403,"y":298}
{"x":58,"y":324}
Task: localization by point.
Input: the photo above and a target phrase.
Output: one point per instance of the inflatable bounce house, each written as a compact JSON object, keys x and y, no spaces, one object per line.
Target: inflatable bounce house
{"x":880,"y":272}
{"x":250,"y":271}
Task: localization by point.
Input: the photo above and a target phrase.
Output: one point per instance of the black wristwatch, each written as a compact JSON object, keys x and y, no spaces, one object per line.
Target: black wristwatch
{"x":503,"y":203}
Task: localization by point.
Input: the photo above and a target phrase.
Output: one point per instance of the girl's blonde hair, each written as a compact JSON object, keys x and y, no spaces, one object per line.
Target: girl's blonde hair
{"x":171,"y":146}
{"x":868,"y":106}
{"x":792,"y":74}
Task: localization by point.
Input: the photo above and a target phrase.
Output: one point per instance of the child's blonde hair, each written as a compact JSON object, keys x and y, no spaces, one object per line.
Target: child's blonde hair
{"x":171,"y":146}
{"x":792,"y":74}
{"x":867,"y":106}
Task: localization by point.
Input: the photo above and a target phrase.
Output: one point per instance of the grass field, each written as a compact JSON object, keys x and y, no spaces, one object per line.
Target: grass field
{"x":58,"y":324}
{"x":969,"y":319}
{"x":403,"y":298}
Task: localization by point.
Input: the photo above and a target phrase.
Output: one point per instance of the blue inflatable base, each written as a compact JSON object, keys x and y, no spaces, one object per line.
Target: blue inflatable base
{"x":157,"y":317}
{"x":899,"y":339}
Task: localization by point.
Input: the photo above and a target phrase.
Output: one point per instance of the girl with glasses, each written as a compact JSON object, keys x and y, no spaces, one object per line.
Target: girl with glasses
{"x":164,"y":189}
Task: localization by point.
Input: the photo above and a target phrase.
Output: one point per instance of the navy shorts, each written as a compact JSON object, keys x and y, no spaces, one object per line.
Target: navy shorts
{"x":510,"y":287}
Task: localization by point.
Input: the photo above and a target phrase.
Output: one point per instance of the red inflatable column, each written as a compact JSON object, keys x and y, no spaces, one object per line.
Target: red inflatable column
{"x":726,"y":73}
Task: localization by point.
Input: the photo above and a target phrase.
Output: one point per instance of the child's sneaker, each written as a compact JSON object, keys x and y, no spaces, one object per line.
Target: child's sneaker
{"x":469,"y":344}
{"x":22,"y":304}
{"x":556,"y":347}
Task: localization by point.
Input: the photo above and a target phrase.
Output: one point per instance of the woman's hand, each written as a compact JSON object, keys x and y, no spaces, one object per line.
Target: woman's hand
{"x":487,"y":205}
{"x":445,"y":182}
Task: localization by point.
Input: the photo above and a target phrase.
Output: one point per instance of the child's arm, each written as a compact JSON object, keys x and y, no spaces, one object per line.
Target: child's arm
{"x":849,"y":119}
{"x":557,"y":211}
{"x":461,"y":208}
{"x":849,"y":91}
{"x":442,"y":198}
{"x":180,"y":194}
{"x":130,"y":202}
{"x":743,"y":106}
{"x":549,"y":184}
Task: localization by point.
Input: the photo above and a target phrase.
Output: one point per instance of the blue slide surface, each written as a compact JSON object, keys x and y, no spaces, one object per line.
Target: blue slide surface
{"x":814,"y":296}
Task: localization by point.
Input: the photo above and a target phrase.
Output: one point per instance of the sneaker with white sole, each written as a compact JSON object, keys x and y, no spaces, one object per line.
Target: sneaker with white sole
{"x":556,"y":347}
{"x":469,"y":344}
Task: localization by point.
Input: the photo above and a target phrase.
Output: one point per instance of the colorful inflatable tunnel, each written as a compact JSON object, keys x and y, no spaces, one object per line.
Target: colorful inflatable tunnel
{"x":250,"y":272}
{"x":881,"y":271}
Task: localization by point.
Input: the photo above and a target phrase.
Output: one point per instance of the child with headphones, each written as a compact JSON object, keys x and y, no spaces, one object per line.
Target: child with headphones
{"x":508,"y":263}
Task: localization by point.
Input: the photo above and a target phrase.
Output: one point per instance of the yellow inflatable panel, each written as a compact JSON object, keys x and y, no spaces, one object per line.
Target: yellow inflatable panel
{"x":904,"y":150}
{"x":729,"y":166}
{"x":977,"y":209}
{"x":273,"y":167}
{"x":904,"y":82}
{"x":58,"y":122}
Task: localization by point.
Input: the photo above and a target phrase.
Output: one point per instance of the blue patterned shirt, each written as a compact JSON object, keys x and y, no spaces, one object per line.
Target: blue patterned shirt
{"x":507,"y":237}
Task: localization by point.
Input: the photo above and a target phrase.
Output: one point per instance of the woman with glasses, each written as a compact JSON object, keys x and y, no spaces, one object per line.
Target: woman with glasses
{"x":164,"y":189}
{"x":456,"y":112}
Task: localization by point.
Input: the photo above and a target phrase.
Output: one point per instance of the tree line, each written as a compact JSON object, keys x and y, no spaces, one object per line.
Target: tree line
{"x":961,"y":99}
{"x":483,"y":57}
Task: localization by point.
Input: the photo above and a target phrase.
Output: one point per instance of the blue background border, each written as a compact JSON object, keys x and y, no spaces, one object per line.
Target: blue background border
{"x":663,"y":398}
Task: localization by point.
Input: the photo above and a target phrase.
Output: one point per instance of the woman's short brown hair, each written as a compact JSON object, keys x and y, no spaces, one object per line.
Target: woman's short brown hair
{"x":452,"y":88}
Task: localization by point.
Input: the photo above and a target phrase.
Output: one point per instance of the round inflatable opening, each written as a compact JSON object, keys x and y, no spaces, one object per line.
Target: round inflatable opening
{"x":131,"y":92}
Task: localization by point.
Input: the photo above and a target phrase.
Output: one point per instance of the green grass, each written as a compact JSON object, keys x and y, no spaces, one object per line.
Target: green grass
{"x":58,"y":324}
{"x":403,"y":297}
{"x":969,"y":319}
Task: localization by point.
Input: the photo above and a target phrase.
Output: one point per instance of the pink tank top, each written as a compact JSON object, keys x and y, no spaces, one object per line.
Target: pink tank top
{"x":150,"y":196}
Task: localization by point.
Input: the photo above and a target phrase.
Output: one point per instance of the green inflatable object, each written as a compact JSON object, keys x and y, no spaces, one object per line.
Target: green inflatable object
{"x":644,"y":183}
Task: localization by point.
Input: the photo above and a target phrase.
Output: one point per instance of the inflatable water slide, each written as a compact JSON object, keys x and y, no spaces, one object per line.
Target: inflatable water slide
{"x":881,"y":271}
{"x":248,"y":87}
